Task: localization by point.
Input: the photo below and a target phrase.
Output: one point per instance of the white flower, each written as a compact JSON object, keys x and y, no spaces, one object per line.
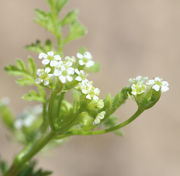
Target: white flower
{"x":85,"y":59}
{"x":138,"y":79}
{"x":138,"y":88}
{"x":99,"y":117}
{"x":100,"y":104}
{"x":141,"y":84}
{"x":57,"y":57}
{"x":43,"y":76}
{"x":158,"y":84}
{"x":87,"y":88}
{"x":50,"y":58}
{"x":64,"y":74}
{"x":81,"y":75}
{"x":28,"y":117}
{"x":50,"y":53}
{"x":43,"y":56}
{"x":70,"y":59}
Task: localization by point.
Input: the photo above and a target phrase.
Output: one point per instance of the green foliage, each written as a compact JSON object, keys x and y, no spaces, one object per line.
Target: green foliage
{"x":57,"y":5}
{"x":33,"y":95}
{"x":51,"y":22}
{"x":3,"y":167}
{"x":60,"y":118}
{"x":148,"y":99}
{"x":39,"y":47}
{"x":25,"y":73}
{"x":30,"y":170}
{"x":112,"y":104}
{"x":6,"y":116}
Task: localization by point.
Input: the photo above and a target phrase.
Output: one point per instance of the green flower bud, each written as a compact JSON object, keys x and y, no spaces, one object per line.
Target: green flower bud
{"x":96,"y":105}
{"x":148,"y":99}
{"x":147,"y":92}
{"x":86,"y":121}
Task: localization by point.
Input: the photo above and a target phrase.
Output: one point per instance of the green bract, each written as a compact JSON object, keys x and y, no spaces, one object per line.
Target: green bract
{"x":58,"y":117}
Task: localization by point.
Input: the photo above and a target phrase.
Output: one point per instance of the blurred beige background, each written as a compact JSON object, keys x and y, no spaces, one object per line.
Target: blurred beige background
{"x":129,"y":38}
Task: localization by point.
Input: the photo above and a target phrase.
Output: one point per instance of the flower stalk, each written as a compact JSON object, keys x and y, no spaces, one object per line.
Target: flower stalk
{"x":59,"y":117}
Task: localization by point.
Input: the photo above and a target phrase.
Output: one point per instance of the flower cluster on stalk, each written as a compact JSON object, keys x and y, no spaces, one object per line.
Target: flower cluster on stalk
{"x":140,"y":85}
{"x":66,"y":70}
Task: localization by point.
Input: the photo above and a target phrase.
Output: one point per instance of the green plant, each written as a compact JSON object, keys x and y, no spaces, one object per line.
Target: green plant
{"x":56,"y":118}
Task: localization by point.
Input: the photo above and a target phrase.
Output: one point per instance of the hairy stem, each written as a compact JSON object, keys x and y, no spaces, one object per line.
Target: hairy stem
{"x":27,"y":154}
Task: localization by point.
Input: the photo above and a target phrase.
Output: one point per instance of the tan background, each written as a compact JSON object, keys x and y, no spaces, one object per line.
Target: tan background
{"x":129,"y":38}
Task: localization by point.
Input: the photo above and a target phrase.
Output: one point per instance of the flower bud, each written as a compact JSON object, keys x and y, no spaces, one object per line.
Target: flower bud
{"x":147,"y":92}
{"x":86,"y":121}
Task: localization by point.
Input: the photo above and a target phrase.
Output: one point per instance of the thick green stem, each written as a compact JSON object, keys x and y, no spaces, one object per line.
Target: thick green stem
{"x":27,"y":154}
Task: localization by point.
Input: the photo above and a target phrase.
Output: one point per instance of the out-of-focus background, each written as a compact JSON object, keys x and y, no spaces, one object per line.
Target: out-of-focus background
{"x":129,"y":38}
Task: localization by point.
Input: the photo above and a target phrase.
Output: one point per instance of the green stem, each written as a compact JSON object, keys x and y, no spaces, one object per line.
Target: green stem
{"x":98,"y":132}
{"x":27,"y":154}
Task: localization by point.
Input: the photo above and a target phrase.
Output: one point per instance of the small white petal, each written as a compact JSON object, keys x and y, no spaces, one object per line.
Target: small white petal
{"x":77,"y":71}
{"x":70,"y":70}
{"x":53,"y":63}
{"x":47,"y":70}
{"x":101,"y":115}
{"x":95,"y":98}
{"x":57,"y":57}
{"x":57,"y":72}
{"x":45,"y":61}
{"x":138,"y":78}
{"x":82,"y":72}
{"x":88,"y":97}
{"x":164,"y":88}
{"x":79,"y":55}
{"x":150,"y":82}
{"x":29,"y":120}
{"x":43,"y":56}
{"x":62,"y":79}
{"x":97,"y":91}
{"x":38,"y":81}
{"x":39,"y":72}
{"x":51,"y":75}
{"x":165,"y":83}
{"x":134,"y":93}
{"x":78,"y":78}
{"x":81,"y":62}
{"x":46,"y":82}
{"x":156,"y":87}
{"x":97,"y":121}
{"x":88,"y":55}
{"x":18,"y":124}
{"x":84,"y":91}
{"x":50,"y":53}
{"x":69,"y":78}
{"x":59,"y":64}
{"x":69,"y":63}
{"x":158,"y":79}
{"x":90,"y":63}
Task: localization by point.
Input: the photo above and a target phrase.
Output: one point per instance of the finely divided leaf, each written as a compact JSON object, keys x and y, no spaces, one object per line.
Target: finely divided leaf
{"x":32,"y":67}
{"x":26,"y":74}
{"x":119,"y":99}
{"x":33,"y":96}
{"x":70,"y":18}
{"x":39,"y":47}
{"x":76,"y":31}
{"x":60,"y":4}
